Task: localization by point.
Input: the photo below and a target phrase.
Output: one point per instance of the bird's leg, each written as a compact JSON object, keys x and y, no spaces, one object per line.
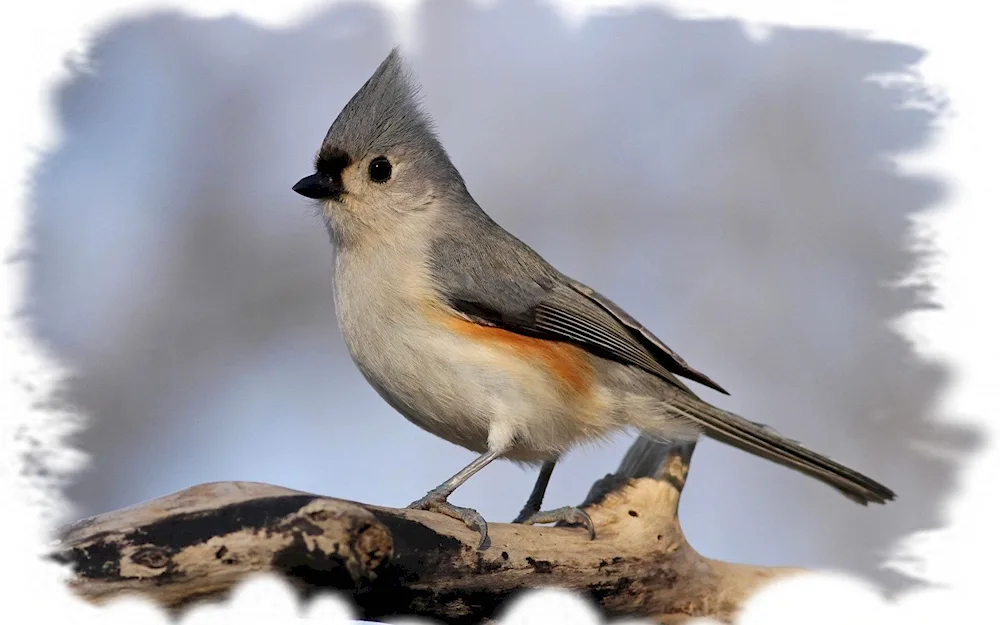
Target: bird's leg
{"x":437,"y":499}
{"x":531,"y":513}
{"x":534,"y":503}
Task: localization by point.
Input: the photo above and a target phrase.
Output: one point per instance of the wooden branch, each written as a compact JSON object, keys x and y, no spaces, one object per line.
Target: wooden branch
{"x":195,"y":545}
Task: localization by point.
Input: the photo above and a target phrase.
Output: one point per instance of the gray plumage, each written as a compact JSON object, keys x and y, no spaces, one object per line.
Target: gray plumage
{"x":386,"y":113}
{"x":472,"y":336}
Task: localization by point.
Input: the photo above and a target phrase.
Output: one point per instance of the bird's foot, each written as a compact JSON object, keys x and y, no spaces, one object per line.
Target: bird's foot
{"x":438,"y":502}
{"x":567,"y":515}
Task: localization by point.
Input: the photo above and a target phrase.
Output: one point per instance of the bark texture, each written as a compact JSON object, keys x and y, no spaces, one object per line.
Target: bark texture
{"x":195,"y":545}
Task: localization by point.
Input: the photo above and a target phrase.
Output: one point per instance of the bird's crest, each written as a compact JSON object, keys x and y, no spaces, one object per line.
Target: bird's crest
{"x":384,"y":113}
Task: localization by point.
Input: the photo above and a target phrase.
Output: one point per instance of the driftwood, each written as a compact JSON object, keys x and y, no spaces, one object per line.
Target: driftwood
{"x":195,"y":545}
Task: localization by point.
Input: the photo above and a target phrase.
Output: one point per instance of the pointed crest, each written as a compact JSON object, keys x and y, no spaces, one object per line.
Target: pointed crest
{"x":385,"y":112}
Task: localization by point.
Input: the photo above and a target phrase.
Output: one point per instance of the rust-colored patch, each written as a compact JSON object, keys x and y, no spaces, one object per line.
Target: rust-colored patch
{"x":566,"y":363}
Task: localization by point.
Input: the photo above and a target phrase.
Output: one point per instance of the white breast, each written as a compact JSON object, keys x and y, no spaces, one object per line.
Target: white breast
{"x":469,"y":393}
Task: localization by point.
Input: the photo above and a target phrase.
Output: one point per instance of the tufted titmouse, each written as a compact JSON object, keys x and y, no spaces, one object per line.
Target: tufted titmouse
{"x":475,"y":338}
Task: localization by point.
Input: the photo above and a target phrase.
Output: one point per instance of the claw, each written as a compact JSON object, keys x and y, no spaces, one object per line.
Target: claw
{"x":435,"y":502}
{"x":567,"y":515}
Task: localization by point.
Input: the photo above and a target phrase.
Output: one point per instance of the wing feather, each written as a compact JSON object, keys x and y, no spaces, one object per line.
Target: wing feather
{"x":501,"y":282}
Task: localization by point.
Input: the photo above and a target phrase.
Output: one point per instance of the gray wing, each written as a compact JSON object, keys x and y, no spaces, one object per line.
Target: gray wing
{"x":503,"y":283}
{"x":668,"y":357}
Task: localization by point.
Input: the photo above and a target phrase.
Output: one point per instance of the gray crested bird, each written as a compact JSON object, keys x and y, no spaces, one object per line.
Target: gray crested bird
{"x":472,"y":336}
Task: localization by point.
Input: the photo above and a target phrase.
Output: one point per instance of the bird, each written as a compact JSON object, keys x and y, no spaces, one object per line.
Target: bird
{"x":472,"y":336}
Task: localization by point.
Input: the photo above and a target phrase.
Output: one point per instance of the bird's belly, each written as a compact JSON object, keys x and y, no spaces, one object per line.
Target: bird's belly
{"x":476,"y":387}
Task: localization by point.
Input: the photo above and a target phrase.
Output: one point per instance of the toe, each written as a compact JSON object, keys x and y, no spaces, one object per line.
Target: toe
{"x":484,"y":538}
{"x":582,"y":518}
{"x":421,"y":504}
{"x":561,"y":516}
{"x":475,"y":522}
{"x":472,"y":519}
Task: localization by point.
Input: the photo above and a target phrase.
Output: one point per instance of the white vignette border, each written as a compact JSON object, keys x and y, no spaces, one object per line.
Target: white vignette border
{"x":40,"y":35}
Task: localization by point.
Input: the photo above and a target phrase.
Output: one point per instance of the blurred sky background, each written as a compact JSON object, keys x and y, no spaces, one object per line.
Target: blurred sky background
{"x":733,"y":195}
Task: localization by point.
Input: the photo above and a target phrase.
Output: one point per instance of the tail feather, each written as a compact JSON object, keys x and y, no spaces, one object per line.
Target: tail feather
{"x":765,"y":442}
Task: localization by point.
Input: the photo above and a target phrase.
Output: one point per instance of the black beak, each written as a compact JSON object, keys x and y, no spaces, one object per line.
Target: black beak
{"x":318,"y":187}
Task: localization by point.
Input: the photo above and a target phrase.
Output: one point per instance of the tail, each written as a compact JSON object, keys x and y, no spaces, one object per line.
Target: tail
{"x":765,"y":442}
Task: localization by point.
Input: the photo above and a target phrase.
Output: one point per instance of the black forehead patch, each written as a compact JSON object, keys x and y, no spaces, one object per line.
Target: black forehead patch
{"x":332,"y":162}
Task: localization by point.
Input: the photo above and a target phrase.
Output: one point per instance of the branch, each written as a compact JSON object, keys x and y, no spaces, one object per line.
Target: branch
{"x":196,"y":544}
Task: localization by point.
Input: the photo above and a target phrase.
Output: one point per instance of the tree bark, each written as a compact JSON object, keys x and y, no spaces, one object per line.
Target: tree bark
{"x":195,"y":545}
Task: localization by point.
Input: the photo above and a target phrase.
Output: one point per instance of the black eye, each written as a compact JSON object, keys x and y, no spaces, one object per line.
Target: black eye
{"x":380,"y":169}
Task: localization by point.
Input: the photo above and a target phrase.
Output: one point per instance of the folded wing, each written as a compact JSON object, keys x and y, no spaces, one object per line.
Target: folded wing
{"x":557,"y":308}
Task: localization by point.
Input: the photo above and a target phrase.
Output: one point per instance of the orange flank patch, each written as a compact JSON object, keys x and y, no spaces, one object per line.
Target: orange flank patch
{"x":563,"y":361}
